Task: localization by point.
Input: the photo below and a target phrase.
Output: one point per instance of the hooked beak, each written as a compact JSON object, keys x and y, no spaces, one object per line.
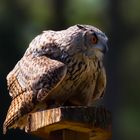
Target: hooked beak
{"x":102,"y":45}
{"x":104,"y":48}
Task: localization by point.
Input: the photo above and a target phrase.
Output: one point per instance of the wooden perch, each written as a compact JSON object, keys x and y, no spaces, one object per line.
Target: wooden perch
{"x":71,"y":123}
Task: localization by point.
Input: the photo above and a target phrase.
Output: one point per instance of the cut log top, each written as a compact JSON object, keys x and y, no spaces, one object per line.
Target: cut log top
{"x":66,"y":123}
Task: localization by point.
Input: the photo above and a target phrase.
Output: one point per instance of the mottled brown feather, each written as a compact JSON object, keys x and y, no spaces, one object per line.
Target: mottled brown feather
{"x":28,"y":86}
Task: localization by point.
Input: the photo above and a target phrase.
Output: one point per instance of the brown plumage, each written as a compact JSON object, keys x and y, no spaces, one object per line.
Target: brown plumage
{"x":58,"y":68}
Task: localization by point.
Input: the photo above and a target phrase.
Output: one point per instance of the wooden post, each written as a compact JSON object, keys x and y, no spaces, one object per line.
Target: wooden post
{"x":71,"y":123}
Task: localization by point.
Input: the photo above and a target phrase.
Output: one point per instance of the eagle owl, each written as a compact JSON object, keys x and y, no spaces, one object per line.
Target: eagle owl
{"x":58,"y":68}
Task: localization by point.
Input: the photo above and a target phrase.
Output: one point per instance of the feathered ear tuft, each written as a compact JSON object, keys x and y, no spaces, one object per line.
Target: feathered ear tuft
{"x":81,"y":27}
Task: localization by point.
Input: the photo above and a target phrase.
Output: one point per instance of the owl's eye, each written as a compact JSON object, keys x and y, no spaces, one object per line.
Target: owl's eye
{"x":94,"y":39}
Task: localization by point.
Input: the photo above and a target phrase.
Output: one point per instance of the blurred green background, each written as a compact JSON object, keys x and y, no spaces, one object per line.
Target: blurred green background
{"x":22,"y":20}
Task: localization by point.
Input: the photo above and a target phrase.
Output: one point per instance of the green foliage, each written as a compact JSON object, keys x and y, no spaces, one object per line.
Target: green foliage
{"x":87,"y":12}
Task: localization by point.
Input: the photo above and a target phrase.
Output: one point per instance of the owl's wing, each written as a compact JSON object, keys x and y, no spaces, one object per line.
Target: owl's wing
{"x":100,"y":84}
{"x":39,"y":74}
{"x":31,"y":81}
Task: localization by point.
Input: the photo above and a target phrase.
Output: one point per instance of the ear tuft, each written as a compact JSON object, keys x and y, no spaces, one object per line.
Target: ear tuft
{"x":81,"y":27}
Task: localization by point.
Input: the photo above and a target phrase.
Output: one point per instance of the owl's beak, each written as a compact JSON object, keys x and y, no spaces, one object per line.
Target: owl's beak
{"x":105,"y":48}
{"x":102,"y":47}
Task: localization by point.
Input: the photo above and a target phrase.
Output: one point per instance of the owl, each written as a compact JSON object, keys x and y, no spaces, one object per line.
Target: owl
{"x":58,"y":68}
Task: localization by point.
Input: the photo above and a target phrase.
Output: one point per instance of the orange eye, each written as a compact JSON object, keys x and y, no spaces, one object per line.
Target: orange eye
{"x":94,"y":39}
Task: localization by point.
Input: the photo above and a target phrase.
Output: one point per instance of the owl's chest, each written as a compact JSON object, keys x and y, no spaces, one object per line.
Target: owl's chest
{"x":80,"y":76}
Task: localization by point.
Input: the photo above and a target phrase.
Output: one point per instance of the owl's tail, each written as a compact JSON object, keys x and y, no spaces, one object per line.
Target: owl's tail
{"x":19,"y":108}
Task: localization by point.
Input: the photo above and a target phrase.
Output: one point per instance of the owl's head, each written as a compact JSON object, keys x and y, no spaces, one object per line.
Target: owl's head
{"x":94,"y":40}
{"x":89,"y":40}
